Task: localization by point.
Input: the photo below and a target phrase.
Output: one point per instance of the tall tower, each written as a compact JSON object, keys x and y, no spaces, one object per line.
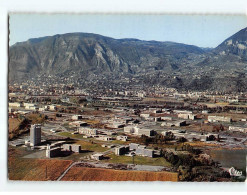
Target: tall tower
{"x":35,"y":134}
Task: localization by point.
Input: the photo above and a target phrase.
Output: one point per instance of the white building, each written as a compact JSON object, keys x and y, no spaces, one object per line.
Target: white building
{"x":87,"y":131}
{"x":219,"y":118}
{"x":14,"y":104}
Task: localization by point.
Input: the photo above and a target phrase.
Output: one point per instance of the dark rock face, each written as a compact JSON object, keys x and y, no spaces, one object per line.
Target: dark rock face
{"x":165,"y":63}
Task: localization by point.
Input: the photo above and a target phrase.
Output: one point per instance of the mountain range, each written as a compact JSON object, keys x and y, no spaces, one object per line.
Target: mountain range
{"x":170,"y":64}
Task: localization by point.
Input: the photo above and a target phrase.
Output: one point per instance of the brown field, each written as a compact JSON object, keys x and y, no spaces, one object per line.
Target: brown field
{"x":14,"y":124}
{"x":99,"y":174}
{"x":34,"y":169}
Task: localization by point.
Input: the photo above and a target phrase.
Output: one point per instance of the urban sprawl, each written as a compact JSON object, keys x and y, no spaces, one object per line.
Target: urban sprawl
{"x":153,"y":133}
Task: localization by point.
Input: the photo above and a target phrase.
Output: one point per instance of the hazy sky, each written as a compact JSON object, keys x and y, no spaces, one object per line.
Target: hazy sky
{"x":200,"y":30}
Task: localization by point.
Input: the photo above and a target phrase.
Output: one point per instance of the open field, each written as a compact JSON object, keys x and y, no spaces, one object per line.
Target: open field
{"x":14,"y":124}
{"x":99,"y":174}
{"x":74,"y":136}
{"x":140,"y":160}
{"x":34,"y":169}
{"x":91,"y":146}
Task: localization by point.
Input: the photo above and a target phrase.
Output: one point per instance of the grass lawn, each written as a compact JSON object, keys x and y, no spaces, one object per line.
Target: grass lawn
{"x":119,"y":142}
{"x":74,"y":136}
{"x":91,"y":146}
{"x":140,"y":160}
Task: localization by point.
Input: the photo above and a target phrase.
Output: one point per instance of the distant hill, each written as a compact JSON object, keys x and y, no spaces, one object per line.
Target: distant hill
{"x":94,"y":53}
{"x":222,"y":68}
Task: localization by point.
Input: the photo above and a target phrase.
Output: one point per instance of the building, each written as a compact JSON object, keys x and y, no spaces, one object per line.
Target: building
{"x":115,"y":125}
{"x":131,"y":129}
{"x":145,"y":131}
{"x":97,"y":156}
{"x":144,"y":116}
{"x":76,"y":117}
{"x":187,"y":116}
{"x":121,"y":150}
{"x":139,"y":130}
{"x":14,"y":104}
{"x":52,"y":152}
{"x":165,"y":118}
{"x":219,"y":119}
{"x":72,"y":147}
{"x":141,"y":150}
{"x":238,"y":128}
{"x":78,"y":124}
{"x":104,"y":138}
{"x":122,"y":138}
{"x":133,"y":146}
{"x":87,"y":131}
{"x":177,"y":123}
{"x":35,"y":134}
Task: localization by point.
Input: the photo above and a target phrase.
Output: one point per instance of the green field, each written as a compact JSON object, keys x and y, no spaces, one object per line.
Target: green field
{"x":74,"y":136}
{"x":140,"y":160}
{"x":91,"y":146}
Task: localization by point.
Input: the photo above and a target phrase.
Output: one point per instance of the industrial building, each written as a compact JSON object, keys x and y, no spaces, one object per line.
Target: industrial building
{"x":35,"y":134}
{"x":187,"y":116}
{"x":122,"y":138}
{"x":189,"y":135}
{"x":52,"y":152}
{"x":72,"y":148}
{"x":219,"y":119}
{"x":121,"y":150}
{"x":78,"y":124}
{"x":76,"y":117}
{"x":97,"y":156}
{"x":238,"y":128}
{"x":88,"y":131}
{"x":177,"y":123}
{"x":139,"y":130}
{"x":141,"y":150}
{"x":14,"y":104}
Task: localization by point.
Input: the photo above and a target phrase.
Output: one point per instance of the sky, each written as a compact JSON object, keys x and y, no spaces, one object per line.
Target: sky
{"x":199,"y":30}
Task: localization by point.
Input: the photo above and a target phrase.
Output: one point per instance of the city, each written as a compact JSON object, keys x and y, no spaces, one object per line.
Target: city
{"x":169,"y":135}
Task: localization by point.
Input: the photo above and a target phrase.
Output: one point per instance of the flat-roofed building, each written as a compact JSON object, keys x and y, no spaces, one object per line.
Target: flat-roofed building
{"x":14,"y":104}
{"x":76,"y":117}
{"x":121,"y":150}
{"x":187,"y":116}
{"x":177,"y":123}
{"x":219,"y":119}
{"x":238,"y":128}
{"x":35,"y":134}
{"x":97,"y":156}
{"x":122,"y":138}
{"x":87,"y":131}
{"x":78,"y":123}
{"x":52,"y":152}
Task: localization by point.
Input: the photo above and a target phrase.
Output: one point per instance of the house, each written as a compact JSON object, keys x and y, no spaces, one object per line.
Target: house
{"x":87,"y":131}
